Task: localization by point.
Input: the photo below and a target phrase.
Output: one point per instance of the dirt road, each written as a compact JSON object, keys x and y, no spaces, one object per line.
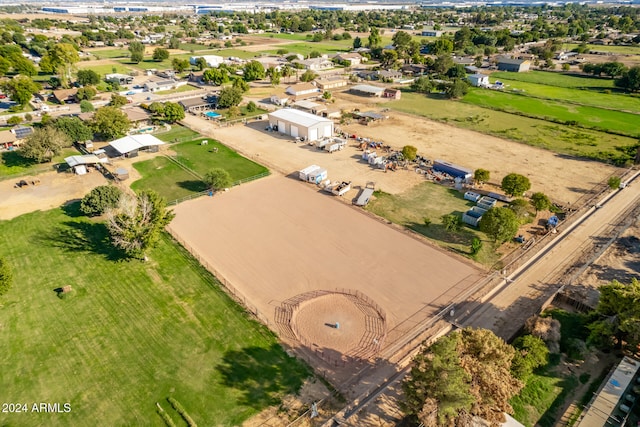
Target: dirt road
{"x":531,"y":285}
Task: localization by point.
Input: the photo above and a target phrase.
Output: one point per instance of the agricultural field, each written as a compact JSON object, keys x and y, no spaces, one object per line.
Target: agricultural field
{"x":106,"y":68}
{"x":555,"y":111}
{"x":173,"y":182}
{"x":109,"y":53}
{"x":178,"y":132}
{"x":613,"y":101}
{"x":565,"y":80}
{"x":129,"y":334}
{"x":412,"y":207}
{"x":181,"y":89}
{"x":559,"y":138}
{"x":621,"y":50}
{"x":225,"y":53}
{"x":305,"y":49}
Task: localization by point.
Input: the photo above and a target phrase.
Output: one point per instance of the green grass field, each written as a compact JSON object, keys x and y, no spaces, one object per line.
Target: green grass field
{"x":185,"y":88}
{"x":12,"y":164}
{"x":110,"y":53}
{"x":308,"y":47}
{"x":106,"y":68}
{"x":613,"y":101}
{"x":129,"y":335}
{"x":413,"y":206}
{"x":622,"y":50}
{"x":173,"y":182}
{"x":555,"y":137}
{"x":554,"y":111}
{"x":549,"y":78}
{"x":177,"y":132}
{"x":193,"y":46}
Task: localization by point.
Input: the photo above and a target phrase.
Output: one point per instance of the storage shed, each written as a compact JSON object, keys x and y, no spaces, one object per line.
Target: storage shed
{"x":451,"y":169}
{"x":301,"y":124}
{"x":478,"y":80}
{"x":367,"y":90}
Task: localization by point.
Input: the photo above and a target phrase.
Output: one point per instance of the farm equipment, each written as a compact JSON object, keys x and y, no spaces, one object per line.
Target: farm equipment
{"x":365,"y":194}
{"x":337,"y":144}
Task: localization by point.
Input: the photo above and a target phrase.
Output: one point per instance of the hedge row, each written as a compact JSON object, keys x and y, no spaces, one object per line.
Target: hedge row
{"x":165,"y":417}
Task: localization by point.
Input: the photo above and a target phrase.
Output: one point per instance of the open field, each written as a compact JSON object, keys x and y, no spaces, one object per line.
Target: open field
{"x":613,"y":101}
{"x":282,"y":239}
{"x":109,"y":53}
{"x":552,"y":136}
{"x":184,"y":88}
{"x":556,"y":111}
{"x":129,"y":335}
{"x":305,"y":48}
{"x":566,"y":80}
{"x":622,"y":50}
{"x":432,"y":201}
{"x":193,"y":46}
{"x":105,"y":66}
{"x":173,"y":182}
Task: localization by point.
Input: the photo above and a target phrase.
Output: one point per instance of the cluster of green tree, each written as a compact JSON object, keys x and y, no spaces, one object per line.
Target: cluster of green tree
{"x":469,"y":373}
{"x":170,"y":112}
{"x":626,"y":78}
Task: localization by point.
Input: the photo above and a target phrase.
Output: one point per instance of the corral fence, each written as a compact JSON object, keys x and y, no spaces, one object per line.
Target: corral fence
{"x":29,"y":172}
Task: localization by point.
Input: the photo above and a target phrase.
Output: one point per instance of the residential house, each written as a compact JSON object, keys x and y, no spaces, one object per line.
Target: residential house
{"x":414,"y":69}
{"x":316,"y":64}
{"x":65,"y":96}
{"x":157,"y":86}
{"x":195,"y":105}
{"x":352,"y":58}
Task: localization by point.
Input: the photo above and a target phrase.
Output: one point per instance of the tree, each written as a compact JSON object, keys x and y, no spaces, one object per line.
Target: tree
{"x":110,"y":122}
{"x":614,"y":182}
{"x":619,"y":312}
{"x":464,"y":374}
{"x":14,"y":120}
{"x":409,"y":152}
{"x":86,"y":106}
{"x":437,"y":388}
{"x":251,"y":107}
{"x":476,"y":246}
{"x":375,"y":39}
{"x":308,"y":76}
{"x":457,"y":89}
{"x":540,"y":201}
{"x":452,"y":222}
{"x":442,"y":64}
{"x":520,"y":207}
{"x":389,"y":58}
{"x":61,"y":57}
{"x":630,"y":79}
{"x":136,"y":223}
{"x":160,"y":54}
{"x":401,"y":40}
{"x":173,"y":112}
{"x":117,"y":100}
{"x":481,"y":176}
{"x":201,"y":63}
{"x":216,"y":76}
{"x":88,"y":77}
{"x":20,"y":88}
{"x":174,"y":43}
{"x":274,"y":76}
{"x":217,"y":179}
{"x":179,"y":65}
{"x":531,"y":353}
{"x":422,"y":84}
{"x":229,"y":97}
{"x":74,"y":128}
{"x":501,"y":224}
{"x":254,"y":70}
{"x":442,"y":46}
{"x":44,"y":143}
{"x":241,"y":85}
{"x":100,"y":199}
{"x":6,"y":277}
{"x":137,"y":51}
{"x":515,"y":184}
{"x":86,"y":93}
{"x":357,"y":43}
{"x":157,"y":108}
{"x":234,"y":111}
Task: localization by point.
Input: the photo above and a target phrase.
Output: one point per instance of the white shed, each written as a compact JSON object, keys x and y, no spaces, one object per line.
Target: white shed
{"x":478,"y":80}
{"x":301,"y":124}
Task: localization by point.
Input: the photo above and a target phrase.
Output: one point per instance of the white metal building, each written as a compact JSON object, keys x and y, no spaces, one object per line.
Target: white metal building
{"x":300,"y":124}
{"x":130,"y":145}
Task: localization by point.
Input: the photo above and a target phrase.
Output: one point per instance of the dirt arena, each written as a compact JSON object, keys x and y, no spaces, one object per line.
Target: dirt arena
{"x":278,"y":238}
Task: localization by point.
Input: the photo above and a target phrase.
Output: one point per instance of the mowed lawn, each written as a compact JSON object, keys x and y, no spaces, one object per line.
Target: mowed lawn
{"x":177,"y":132}
{"x":11,"y":163}
{"x":173,"y":182}
{"x":129,"y":335}
{"x":567,"y":80}
{"x":431,"y":201}
{"x":554,"y":111}
{"x":613,"y":101}
{"x":555,"y":137}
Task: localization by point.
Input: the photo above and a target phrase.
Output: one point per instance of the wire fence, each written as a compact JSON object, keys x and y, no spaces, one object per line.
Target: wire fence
{"x":209,"y":192}
{"x":30,"y":172}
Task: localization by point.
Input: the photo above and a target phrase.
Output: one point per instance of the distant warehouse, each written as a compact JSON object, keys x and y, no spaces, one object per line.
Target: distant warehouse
{"x":301,"y":124}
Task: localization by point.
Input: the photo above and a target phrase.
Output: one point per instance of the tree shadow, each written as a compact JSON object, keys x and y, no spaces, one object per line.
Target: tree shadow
{"x":72,"y":208}
{"x":439,"y":232}
{"x":263,"y":375}
{"x":81,"y":236}
{"x":14,"y":159}
{"x":193,"y":185}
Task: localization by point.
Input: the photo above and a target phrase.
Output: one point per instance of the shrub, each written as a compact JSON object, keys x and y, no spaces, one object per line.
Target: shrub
{"x":6,"y":277}
{"x":614,"y":182}
{"x":100,"y":199}
{"x":546,"y":328}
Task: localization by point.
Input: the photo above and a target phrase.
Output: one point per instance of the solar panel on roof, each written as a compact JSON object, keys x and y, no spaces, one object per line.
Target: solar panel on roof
{"x":23,"y":132}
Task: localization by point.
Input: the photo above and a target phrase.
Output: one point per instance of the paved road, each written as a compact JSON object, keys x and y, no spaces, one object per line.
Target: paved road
{"x":534,"y":283}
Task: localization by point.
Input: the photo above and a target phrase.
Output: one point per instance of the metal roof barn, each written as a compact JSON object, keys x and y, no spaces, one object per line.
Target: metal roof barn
{"x":133,"y":143}
{"x":298,"y":123}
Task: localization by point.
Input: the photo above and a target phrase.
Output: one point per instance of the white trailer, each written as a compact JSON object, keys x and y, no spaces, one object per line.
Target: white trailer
{"x":365,"y":194}
{"x":341,"y":189}
{"x":317,"y":175}
{"x":304,"y":173}
{"x":337,"y":144}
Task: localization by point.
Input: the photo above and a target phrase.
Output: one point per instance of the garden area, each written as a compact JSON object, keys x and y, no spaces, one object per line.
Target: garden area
{"x":138,"y":332}
{"x":173,"y":181}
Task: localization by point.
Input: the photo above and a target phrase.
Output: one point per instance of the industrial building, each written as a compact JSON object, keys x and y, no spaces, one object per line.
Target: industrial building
{"x":300,"y":124}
